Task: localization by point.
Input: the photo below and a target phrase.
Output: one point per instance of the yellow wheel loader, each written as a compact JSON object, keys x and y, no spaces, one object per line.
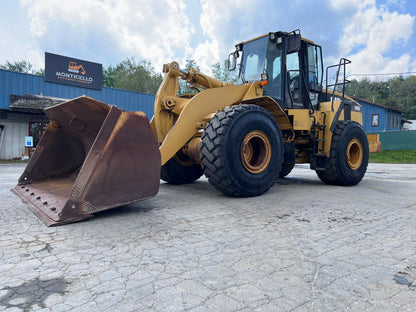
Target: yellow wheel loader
{"x":243,"y":137}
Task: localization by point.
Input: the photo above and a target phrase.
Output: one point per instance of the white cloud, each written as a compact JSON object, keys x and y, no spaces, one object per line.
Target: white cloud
{"x":370,"y":35}
{"x":222,"y":22}
{"x":108,"y":31}
{"x":38,"y":26}
{"x":413,"y":66}
{"x":206,"y":54}
{"x":146,"y":29}
{"x":378,"y":64}
{"x":213,"y":23}
{"x":376,"y":28}
{"x":152,"y":30}
{"x":350,"y":4}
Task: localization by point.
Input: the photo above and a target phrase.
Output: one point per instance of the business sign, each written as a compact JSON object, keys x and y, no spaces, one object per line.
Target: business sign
{"x":28,"y":141}
{"x":73,"y":72}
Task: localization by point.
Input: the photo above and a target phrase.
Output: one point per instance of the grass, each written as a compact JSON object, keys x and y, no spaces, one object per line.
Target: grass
{"x":388,"y":157}
{"x":13,"y":161}
{"x":394,"y":157}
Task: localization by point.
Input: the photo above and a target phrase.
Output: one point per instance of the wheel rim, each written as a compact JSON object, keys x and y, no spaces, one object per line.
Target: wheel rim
{"x":183,"y":159}
{"x":355,"y":154}
{"x":255,"y":151}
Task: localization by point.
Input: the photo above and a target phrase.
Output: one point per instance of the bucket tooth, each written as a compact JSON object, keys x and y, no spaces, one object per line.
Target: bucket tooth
{"x":92,"y":157}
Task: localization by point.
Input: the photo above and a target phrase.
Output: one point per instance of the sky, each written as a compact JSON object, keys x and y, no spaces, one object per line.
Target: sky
{"x":379,"y":37}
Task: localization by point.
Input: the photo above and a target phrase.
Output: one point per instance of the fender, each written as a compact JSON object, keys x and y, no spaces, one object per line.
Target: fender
{"x":277,"y":112}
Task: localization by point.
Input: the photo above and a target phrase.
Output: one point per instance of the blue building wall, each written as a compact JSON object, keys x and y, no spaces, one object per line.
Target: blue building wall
{"x":388,"y":119}
{"x":21,"y":84}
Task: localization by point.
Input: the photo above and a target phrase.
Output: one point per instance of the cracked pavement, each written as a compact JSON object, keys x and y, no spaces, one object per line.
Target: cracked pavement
{"x":303,"y":246}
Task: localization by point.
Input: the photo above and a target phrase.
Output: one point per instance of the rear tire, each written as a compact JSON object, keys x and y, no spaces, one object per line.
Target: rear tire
{"x":286,"y":169}
{"x":349,"y":154}
{"x":180,"y":170}
{"x":242,"y":150}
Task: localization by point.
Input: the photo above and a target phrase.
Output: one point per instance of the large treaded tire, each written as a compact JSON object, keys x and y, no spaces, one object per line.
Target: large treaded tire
{"x":349,"y":154}
{"x":242,"y":150}
{"x":286,"y":169}
{"x":289,"y":159}
{"x":180,"y":170}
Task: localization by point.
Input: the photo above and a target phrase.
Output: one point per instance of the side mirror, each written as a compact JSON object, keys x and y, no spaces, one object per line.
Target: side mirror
{"x":294,"y":43}
{"x":232,"y":61}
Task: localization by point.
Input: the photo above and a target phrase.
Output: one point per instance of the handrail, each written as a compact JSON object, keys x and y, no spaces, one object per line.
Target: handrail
{"x":343,"y":62}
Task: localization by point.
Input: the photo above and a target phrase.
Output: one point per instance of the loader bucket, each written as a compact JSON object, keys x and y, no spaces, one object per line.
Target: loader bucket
{"x":92,"y":157}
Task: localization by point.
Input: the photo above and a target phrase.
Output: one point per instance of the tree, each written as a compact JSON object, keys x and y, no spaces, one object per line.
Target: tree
{"x":109,"y":76}
{"x":183,"y":85}
{"x":191,"y":64}
{"x":221,"y":72}
{"x":18,"y":66}
{"x":132,"y":75}
{"x":397,"y":92}
{"x":22,"y":67}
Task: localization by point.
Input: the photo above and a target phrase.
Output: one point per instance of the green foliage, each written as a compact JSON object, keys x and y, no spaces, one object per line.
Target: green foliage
{"x":22,"y":67}
{"x":397,"y":92}
{"x":394,"y":157}
{"x":221,"y":72}
{"x":135,"y":75}
{"x":18,"y":66}
{"x":132,"y":75}
{"x":183,"y":85}
{"x":191,"y":63}
{"x":40,"y":72}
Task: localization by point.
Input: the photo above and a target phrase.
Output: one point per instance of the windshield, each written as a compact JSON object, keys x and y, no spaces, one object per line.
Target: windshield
{"x":253,"y":59}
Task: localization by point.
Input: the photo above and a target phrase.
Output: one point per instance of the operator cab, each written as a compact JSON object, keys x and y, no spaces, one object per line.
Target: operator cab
{"x":289,"y":67}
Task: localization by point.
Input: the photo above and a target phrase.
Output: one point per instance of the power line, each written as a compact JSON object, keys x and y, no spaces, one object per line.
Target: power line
{"x":389,"y":74}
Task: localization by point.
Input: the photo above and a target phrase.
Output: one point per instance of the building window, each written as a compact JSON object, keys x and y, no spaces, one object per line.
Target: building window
{"x":36,"y":130}
{"x":1,"y":133}
{"x":374,"y":120}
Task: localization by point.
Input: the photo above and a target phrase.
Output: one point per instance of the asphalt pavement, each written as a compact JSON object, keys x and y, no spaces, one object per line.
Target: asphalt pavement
{"x":302,"y":246}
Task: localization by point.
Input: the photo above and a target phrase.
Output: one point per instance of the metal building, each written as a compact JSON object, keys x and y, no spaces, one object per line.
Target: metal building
{"x":379,"y":118}
{"x":23,"y":96}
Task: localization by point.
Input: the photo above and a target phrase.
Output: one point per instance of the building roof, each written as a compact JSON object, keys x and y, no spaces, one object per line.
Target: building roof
{"x":406,"y":121}
{"x":375,"y":104}
{"x":13,"y":83}
{"x":32,"y":103}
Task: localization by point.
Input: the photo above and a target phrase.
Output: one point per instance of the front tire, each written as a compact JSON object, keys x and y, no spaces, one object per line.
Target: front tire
{"x":286,"y":169}
{"x":180,"y":170}
{"x":242,"y":150}
{"x":289,"y":159}
{"x":349,"y":154}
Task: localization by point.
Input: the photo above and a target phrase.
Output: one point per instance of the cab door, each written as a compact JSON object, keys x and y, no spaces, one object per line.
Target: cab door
{"x":304,"y":75}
